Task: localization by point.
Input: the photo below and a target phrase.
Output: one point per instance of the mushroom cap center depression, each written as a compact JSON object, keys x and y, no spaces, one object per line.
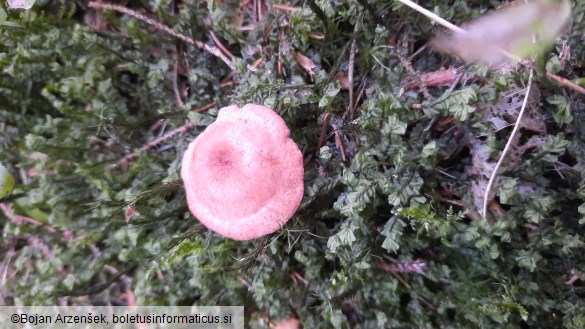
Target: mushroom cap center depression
{"x":237,"y":171}
{"x":244,"y":174}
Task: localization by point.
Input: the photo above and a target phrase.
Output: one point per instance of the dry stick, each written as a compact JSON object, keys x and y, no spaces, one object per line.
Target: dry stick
{"x":259,"y":10}
{"x":211,"y":49}
{"x":339,"y":142}
{"x":567,"y":83}
{"x":256,"y":64}
{"x":323,"y":130}
{"x":508,"y":145}
{"x":409,"y":287}
{"x":353,"y":105}
{"x":432,"y":16}
{"x":408,"y":65}
{"x":562,"y":81}
{"x":221,"y":46}
{"x":176,"y":84}
{"x":350,"y":74}
{"x":285,"y":8}
{"x":280,"y":54}
{"x":156,"y":125}
{"x":205,"y":107}
{"x":397,"y":276}
{"x":129,"y":157}
{"x":361,"y":89}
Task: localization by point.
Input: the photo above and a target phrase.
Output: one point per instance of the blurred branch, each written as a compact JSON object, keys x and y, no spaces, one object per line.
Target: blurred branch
{"x":129,"y":157}
{"x":97,"y":288}
{"x":560,"y":80}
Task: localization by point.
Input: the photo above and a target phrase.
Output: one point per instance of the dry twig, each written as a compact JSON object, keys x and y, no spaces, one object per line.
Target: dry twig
{"x":129,"y":157}
{"x":507,"y":147}
{"x":339,"y":142}
{"x":361,"y":91}
{"x":408,"y":66}
{"x":323,"y":130}
{"x":567,"y":83}
{"x":350,"y":75}
{"x":285,"y":8}
{"x":211,"y":49}
{"x":176,"y":85}
{"x":220,"y":45}
{"x":205,"y":107}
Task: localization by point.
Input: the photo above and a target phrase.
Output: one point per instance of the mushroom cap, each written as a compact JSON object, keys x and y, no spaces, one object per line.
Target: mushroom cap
{"x":244,"y":174}
{"x":21,"y":4}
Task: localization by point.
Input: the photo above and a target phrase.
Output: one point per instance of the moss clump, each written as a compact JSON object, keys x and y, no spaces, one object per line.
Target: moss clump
{"x":393,"y":166}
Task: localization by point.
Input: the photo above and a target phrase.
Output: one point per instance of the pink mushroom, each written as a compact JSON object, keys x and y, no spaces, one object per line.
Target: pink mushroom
{"x":21,"y":4}
{"x":244,"y":174}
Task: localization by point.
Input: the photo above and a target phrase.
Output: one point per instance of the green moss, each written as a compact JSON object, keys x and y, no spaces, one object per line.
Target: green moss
{"x":75,"y":99}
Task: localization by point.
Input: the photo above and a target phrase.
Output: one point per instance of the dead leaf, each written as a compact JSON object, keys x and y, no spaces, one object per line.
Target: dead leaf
{"x":437,"y":79}
{"x":130,"y":212}
{"x":502,"y":114}
{"x":316,"y":36}
{"x":505,"y":112}
{"x":343,"y":80}
{"x":305,"y":62}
